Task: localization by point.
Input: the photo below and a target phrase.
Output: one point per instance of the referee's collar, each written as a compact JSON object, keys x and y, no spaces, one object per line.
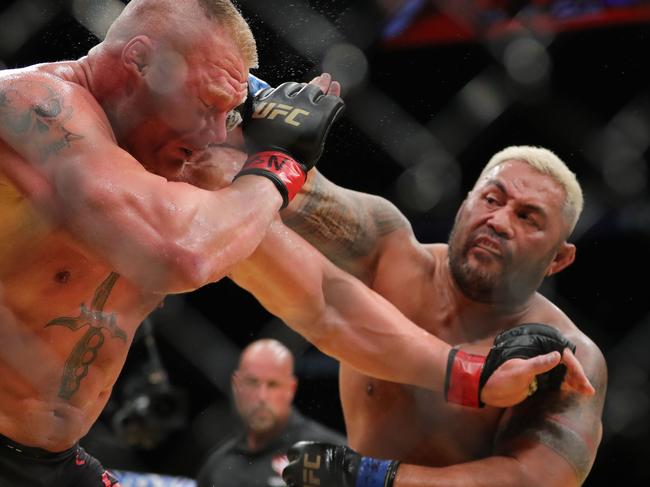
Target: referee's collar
{"x":295,"y":421}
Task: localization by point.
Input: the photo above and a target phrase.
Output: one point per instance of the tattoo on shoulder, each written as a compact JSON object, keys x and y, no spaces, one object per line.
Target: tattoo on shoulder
{"x":41,"y":116}
{"x":343,"y":224}
{"x":569,"y":424}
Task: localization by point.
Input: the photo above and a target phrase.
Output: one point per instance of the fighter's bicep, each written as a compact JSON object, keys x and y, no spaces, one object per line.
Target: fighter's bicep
{"x":566,"y":440}
{"x":568,"y":424}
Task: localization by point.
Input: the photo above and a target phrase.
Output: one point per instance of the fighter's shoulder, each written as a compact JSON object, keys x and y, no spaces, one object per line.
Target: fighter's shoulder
{"x":401,"y":246}
{"x":33,"y":80}
{"x":587,"y":350}
{"x":559,"y":422}
{"x":47,"y":87}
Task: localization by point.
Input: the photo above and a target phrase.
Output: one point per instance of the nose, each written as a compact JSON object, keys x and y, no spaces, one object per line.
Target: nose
{"x":215,"y":128}
{"x":262,"y":391}
{"x":500,"y":222}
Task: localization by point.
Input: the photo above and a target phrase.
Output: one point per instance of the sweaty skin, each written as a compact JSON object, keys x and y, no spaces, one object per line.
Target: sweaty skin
{"x":549,"y":439}
{"x":68,"y":317}
{"x":113,"y":194}
{"x":93,"y":238}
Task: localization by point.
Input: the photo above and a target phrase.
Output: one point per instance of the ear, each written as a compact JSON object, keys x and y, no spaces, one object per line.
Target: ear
{"x":462,"y":206}
{"x":137,"y":54}
{"x":294,"y":386}
{"x":564,"y":257}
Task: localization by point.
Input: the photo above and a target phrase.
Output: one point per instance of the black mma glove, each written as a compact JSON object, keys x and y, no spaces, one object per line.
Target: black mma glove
{"x":314,"y":464}
{"x":468,"y":373}
{"x":285,"y":133}
{"x":527,"y":341}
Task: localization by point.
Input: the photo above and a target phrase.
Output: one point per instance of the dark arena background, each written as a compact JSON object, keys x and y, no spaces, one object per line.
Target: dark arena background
{"x":433,"y":89}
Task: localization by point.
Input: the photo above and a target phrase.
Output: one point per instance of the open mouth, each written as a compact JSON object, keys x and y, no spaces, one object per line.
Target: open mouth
{"x":489,"y":245}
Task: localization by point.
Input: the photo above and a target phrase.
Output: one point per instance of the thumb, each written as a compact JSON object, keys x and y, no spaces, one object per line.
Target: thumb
{"x":296,"y":450}
{"x":543,"y":363}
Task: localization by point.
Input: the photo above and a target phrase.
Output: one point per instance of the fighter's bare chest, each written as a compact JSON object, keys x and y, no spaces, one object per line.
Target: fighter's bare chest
{"x":55,"y":277}
{"x":400,"y":421}
{"x":45,"y":273}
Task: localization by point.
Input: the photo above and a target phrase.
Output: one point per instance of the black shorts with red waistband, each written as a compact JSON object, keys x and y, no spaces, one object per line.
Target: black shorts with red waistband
{"x":24,"y":466}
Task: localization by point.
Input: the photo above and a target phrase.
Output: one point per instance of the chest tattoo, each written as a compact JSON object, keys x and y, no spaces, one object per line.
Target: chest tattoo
{"x":85,"y":351}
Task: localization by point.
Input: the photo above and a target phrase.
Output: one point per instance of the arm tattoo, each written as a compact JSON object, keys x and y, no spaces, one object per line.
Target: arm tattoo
{"x":567,"y":423}
{"x":85,"y":351}
{"x":342,"y":224}
{"x":39,"y":116}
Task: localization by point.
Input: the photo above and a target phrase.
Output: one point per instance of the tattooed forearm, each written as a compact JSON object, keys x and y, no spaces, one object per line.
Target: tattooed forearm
{"x":33,"y":110}
{"x":343,"y":224}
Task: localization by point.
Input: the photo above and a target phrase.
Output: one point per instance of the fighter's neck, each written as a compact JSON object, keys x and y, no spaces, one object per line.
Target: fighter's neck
{"x":489,"y":316}
{"x":76,"y":71}
{"x":258,"y":441}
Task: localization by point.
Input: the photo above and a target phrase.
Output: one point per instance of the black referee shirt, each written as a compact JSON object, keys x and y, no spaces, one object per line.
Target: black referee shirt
{"x":233,"y":465}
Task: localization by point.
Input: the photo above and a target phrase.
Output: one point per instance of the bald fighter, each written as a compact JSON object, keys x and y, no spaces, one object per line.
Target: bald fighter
{"x":511,"y":231}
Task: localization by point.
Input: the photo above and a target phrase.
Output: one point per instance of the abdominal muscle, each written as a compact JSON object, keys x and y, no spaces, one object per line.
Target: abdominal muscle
{"x":45,"y":401}
{"x":59,"y":357}
{"x":48,"y":423}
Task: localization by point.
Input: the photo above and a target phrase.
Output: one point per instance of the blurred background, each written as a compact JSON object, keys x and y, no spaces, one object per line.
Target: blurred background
{"x":433,"y":89}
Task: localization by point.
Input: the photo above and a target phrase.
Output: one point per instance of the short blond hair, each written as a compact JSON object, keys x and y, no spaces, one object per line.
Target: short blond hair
{"x":173,"y":19}
{"x":548,"y":163}
{"x":230,"y":17}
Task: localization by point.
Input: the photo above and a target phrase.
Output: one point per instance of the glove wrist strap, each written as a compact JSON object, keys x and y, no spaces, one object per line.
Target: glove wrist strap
{"x":285,"y":172}
{"x":376,"y":473}
{"x":463,"y":377}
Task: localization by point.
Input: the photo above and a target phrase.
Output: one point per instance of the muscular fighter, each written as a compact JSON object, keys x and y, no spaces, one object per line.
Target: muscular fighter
{"x":109,"y":200}
{"x":511,"y":231}
{"x":113,"y":195}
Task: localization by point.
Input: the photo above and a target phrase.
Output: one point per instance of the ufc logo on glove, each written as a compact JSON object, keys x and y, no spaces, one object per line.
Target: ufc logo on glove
{"x":308,"y":473}
{"x":271,"y":110}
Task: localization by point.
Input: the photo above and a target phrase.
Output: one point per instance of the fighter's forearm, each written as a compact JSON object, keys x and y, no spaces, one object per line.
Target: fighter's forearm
{"x":495,"y":471}
{"x":536,"y":466}
{"x":338,"y":313}
{"x":346,"y":226}
{"x":371,"y":335}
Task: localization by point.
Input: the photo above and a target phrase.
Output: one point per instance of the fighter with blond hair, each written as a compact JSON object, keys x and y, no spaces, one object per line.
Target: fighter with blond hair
{"x":510,"y":232}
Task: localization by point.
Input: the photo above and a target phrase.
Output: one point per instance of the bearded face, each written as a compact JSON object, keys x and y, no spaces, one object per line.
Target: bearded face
{"x":508,"y":235}
{"x":486,"y":270}
{"x":258,"y":417}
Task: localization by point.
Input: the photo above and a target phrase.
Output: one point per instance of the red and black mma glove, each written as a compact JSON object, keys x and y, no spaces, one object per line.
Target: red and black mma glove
{"x":314,"y":464}
{"x":467,"y":373}
{"x":285,"y":133}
